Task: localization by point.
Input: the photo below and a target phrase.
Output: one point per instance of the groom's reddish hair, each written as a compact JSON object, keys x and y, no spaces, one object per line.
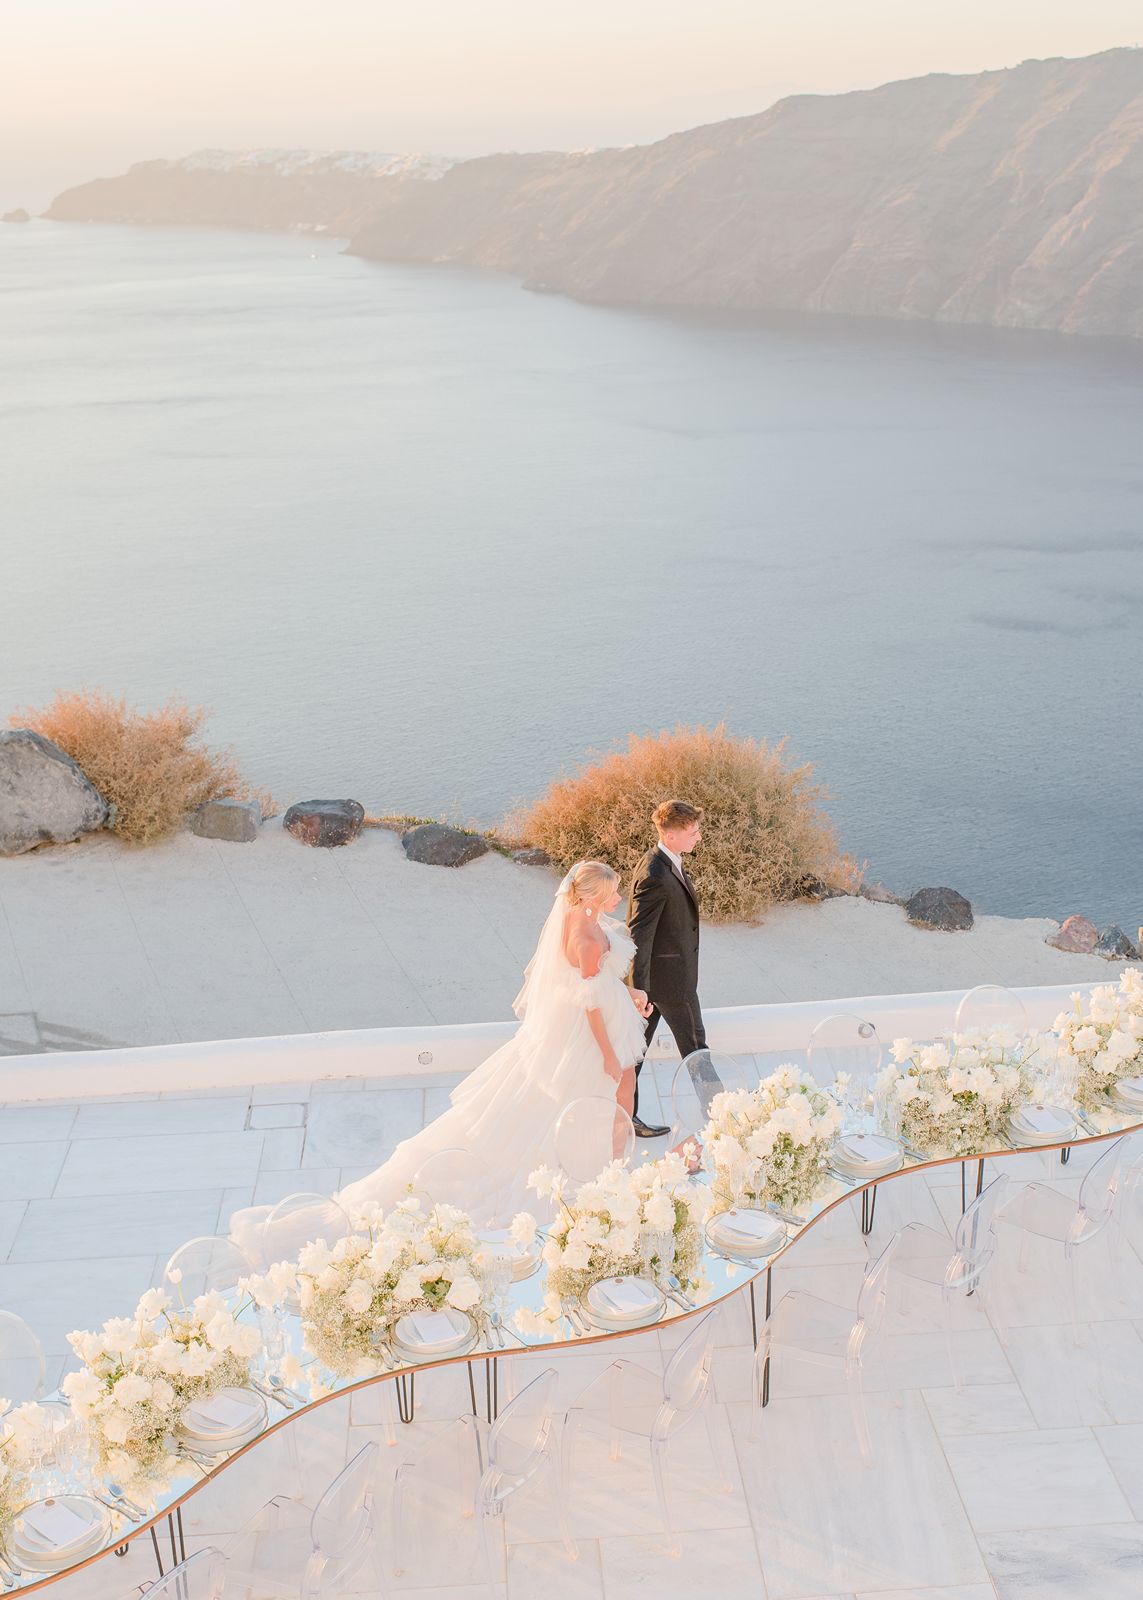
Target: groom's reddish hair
{"x":672,"y":814}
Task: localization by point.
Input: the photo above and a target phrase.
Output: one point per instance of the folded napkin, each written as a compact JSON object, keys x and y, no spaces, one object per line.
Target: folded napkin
{"x":221,"y":1413}
{"x":430,"y":1330}
{"x":52,"y":1525}
{"x":1039,"y":1124}
{"x":746,"y":1226}
{"x":623,"y":1297}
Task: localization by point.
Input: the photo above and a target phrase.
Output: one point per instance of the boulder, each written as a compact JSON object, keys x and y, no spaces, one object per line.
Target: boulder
{"x":235,"y":820}
{"x":1114,"y":945}
{"x":436,"y":845}
{"x":943,"y":909}
{"x":532,"y":856}
{"x":325,"y":822}
{"x":1077,"y":935}
{"x":880,"y":895}
{"x":45,"y":798}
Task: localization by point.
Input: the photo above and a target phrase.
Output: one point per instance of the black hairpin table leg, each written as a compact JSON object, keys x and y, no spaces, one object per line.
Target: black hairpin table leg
{"x":406,"y":1395}
{"x":766,"y":1367}
{"x":868,"y":1209}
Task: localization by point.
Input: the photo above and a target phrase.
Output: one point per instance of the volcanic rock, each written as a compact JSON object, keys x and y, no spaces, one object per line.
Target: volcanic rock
{"x":325,"y":822}
{"x":942,"y":908}
{"x":437,"y":845}
{"x":1077,"y":935}
{"x":235,"y":820}
{"x":45,"y":798}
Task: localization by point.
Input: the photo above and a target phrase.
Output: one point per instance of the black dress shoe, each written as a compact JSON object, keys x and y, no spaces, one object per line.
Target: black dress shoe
{"x":647,"y":1130}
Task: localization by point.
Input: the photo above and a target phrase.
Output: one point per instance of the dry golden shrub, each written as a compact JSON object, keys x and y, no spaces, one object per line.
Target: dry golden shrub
{"x":764,"y":836}
{"x":150,"y":765}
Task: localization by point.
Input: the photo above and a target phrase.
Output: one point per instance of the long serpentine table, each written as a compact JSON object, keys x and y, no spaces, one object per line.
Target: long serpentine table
{"x":727,"y":1278}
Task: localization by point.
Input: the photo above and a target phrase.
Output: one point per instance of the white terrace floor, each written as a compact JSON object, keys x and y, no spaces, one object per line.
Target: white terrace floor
{"x":192,"y":940}
{"x":1028,"y":1486}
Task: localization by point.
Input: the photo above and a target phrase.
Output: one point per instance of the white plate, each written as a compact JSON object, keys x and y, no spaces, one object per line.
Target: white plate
{"x":34,"y":1551}
{"x":621,"y":1302}
{"x":866,"y":1155}
{"x":227,"y":1415}
{"x":1040,"y":1124}
{"x":746,"y":1232}
{"x":422,"y":1335}
{"x":615,"y":1304}
{"x":1129,"y":1092}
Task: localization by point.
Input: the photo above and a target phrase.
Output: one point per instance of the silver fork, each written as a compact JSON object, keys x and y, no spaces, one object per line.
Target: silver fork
{"x":677,"y":1295}
{"x":574,"y":1315}
{"x":132,"y":1506}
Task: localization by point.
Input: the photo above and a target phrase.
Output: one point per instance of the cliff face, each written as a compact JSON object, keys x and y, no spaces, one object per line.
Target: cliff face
{"x":1012,"y":198}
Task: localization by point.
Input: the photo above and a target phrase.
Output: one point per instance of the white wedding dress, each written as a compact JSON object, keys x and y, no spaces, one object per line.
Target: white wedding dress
{"x":505,"y":1111}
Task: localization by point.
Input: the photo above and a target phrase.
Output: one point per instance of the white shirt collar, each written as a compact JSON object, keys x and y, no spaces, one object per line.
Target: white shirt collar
{"x":672,"y":857}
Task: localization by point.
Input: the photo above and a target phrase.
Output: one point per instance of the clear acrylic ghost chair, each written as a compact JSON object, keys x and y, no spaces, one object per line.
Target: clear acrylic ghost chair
{"x":923,"y":1256}
{"x":988,"y":1007}
{"x":845,"y":1043}
{"x":297,"y":1220}
{"x":479,"y":1473}
{"x":630,"y":1399}
{"x":827,"y":1335}
{"x":290,"y":1550}
{"x":199,"y":1577}
{"x":1049,"y":1214}
{"x":22,"y":1364}
{"x":208,"y":1265}
{"x":590,"y":1133}
{"x":697,"y":1079}
{"x":457,"y":1177}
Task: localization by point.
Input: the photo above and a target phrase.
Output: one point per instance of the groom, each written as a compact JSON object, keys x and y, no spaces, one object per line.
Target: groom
{"x":664,"y":923}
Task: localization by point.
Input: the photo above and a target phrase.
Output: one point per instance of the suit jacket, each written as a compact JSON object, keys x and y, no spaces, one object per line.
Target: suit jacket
{"x":664,"y":923}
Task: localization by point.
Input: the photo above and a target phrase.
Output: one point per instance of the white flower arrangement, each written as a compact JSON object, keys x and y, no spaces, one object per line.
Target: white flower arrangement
{"x":955,"y":1095}
{"x":1104,"y":1037}
{"x":353,"y":1292}
{"x":770,"y":1145}
{"x":24,"y":1431}
{"x":139,"y":1375}
{"x":624,"y":1223}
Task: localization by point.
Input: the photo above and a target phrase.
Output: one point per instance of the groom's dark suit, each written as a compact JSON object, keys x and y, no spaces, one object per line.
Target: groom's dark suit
{"x":664,"y":923}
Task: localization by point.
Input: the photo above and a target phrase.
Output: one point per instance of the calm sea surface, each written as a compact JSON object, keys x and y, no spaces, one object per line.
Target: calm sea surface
{"x":422,"y":538}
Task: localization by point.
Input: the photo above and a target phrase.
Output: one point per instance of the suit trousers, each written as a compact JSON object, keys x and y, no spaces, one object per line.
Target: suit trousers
{"x":684,"y":1019}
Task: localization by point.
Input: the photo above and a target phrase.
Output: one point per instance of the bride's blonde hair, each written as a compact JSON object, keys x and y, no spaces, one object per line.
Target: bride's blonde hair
{"x":590,"y":879}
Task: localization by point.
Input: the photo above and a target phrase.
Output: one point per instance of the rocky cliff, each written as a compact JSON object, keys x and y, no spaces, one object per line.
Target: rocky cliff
{"x":1010,"y":198}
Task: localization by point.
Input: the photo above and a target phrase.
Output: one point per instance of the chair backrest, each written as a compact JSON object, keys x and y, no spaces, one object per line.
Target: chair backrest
{"x":697,"y":1079}
{"x":199,"y":1577}
{"x":520,"y":1438}
{"x":845,"y":1043}
{"x":686,"y":1382}
{"x":975,"y":1237}
{"x":590,"y":1133}
{"x":457,"y":1177}
{"x":1099,"y":1191}
{"x":990,"y":1006}
{"x":298,"y":1220}
{"x":22,"y":1365}
{"x":205,"y":1265}
{"x":874,"y":1290}
{"x":342,"y":1527}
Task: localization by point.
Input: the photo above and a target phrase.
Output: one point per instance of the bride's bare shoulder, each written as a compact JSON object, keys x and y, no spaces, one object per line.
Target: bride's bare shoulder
{"x":584,"y":943}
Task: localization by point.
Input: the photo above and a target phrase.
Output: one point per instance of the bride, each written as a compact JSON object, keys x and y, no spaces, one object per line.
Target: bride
{"x":581,"y":1033}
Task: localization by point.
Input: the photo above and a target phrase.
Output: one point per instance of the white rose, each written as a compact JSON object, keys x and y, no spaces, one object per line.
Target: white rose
{"x":464,"y":1293}
{"x":359,"y":1296}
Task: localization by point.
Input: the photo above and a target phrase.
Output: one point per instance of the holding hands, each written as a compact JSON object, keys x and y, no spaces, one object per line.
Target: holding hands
{"x":642,"y":1005}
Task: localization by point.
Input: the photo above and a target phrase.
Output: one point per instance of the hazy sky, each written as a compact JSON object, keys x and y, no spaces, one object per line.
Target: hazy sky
{"x":87,"y":86}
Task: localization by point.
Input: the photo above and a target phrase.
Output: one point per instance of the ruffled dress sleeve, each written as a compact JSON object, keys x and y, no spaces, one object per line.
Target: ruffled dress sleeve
{"x":589,"y":992}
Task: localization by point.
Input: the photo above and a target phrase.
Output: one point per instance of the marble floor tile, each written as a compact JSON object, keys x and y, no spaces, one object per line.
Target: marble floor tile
{"x":711,"y":1566}
{"x":544,"y":1569}
{"x":161,"y":1161}
{"x":959,"y":1591}
{"x":1123,"y":1447}
{"x":58,"y":1296}
{"x":94,"y":1226}
{"x":1066,"y":1562}
{"x":274,"y":1186}
{"x":1050,"y":1477}
{"x":278,"y":1114}
{"x":828,"y":1525}
{"x":989,"y":1408}
{"x":365,"y":1128}
{"x":210,"y":1114}
{"x":282,"y":1149}
{"x":11,"y":1216}
{"x":31,"y":1124}
{"x":30,"y":1171}
{"x":1067,"y":1385}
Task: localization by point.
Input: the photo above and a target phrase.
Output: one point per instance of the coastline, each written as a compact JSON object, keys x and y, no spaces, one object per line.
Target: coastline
{"x":102,"y":945}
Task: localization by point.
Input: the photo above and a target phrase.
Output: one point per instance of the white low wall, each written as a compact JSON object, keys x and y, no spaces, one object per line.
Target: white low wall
{"x":424,"y":1052}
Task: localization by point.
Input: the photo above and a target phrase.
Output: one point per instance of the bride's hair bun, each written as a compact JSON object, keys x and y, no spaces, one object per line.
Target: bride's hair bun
{"x":589,"y":879}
